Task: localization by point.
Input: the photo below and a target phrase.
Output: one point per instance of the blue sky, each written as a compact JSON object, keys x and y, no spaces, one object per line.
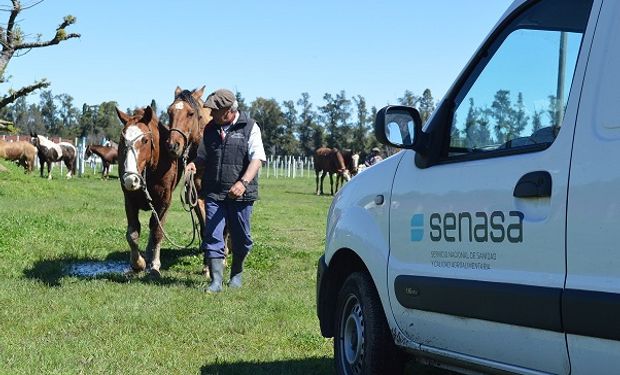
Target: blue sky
{"x":137,"y":50}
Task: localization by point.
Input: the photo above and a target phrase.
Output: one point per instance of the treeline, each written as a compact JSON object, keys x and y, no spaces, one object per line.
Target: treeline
{"x":292,"y":127}
{"x":503,"y":120}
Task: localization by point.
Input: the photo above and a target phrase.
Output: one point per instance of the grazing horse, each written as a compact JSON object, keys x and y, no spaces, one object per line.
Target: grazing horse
{"x":108,"y":155}
{"x":22,"y":152}
{"x":50,"y":152}
{"x":148,"y":176}
{"x":351,"y":161}
{"x":328,"y":160}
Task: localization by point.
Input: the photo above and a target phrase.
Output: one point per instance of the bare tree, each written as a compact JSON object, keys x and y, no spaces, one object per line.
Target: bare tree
{"x":14,"y":44}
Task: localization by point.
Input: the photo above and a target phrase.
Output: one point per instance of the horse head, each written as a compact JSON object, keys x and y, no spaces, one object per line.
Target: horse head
{"x":139,"y":147}
{"x":34,"y":139}
{"x":187,"y":119}
{"x":88,"y":152}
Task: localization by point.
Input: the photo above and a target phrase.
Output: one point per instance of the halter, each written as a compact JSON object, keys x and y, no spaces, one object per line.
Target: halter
{"x":186,"y":96}
{"x":141,"y":177}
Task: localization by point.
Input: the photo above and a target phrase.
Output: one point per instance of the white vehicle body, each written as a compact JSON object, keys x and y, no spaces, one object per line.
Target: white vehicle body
{"x":504,"y":256}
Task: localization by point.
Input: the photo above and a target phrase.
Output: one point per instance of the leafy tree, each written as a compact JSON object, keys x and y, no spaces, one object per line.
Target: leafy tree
{"x":242,"y":106}
{"x":34,"y":120}
{"x":502,"y":113}
{"x":308,"y":140}
{"x":287,"y":133}
{"x":49,"y":112}
{"x":87,"y":121}
{"x":335,"y":115}
{"x":409,"y":99}
{"x":536,"y":121}
{"x":552,"y":111}
{"x":363,"y":122}
{"x":14,"y":44}
{"x":68,"y":116}
{"x":107,"y":123}
{"x":269,"y":116}
{"x":154,"y":105}
{"x":470,"y":124}
{"x":427,"y":105}
{"x":519,"y":118}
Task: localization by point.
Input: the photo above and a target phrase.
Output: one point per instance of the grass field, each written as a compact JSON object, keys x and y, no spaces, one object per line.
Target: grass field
{"x":54,"y":323}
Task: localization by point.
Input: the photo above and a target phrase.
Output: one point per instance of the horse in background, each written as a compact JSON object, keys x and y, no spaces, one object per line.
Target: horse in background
{"x":328,"y":160}
{"x":50,"y":152}
{"x":148,"y":176}
{"x":351,"y":162}
{"x":21,"y":152}
{"x":108,"y":155}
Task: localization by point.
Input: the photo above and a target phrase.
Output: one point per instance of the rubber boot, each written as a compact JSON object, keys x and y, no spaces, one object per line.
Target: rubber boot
{"x":217,"y":275}
{"x":236,"y":270}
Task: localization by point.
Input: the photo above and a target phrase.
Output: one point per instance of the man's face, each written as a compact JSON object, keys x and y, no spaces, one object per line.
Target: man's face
{"x":222,"y":116}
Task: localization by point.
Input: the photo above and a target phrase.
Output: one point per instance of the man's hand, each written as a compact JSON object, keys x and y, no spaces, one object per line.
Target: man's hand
{"x":236,"y":190}
{"x":191,"y":167}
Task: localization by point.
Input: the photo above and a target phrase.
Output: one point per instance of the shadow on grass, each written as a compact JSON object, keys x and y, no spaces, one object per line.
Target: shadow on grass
{"x":287,"y":367}
{"x":51,"y":271}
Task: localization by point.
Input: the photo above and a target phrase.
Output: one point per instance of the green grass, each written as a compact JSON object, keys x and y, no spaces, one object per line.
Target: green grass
{"x":54,"y":323}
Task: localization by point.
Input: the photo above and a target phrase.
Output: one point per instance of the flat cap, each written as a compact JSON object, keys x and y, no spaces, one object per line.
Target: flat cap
{"x":219,"y":99}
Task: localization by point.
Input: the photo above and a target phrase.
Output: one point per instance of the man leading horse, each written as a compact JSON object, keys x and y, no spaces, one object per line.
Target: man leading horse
{"x":231,"y":153}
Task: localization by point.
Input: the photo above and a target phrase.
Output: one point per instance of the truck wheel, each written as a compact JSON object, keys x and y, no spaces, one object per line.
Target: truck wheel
{"x":362,"y":341}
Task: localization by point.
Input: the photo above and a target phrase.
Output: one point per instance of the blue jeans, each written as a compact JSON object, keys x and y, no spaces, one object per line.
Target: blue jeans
{"x":236,"y":216}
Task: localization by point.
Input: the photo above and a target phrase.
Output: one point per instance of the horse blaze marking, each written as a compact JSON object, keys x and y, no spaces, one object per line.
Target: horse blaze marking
{"x":179,"y":105}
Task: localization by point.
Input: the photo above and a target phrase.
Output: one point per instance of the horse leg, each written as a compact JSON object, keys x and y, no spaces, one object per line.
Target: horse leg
{"x":323,"y":179}
{"x":156,"y":235}
{"x":49,"y":170}
{"x":331,"y":182}
{"x":133,"y":236}
{"x":104,"y":170}
{"x":69,"y":168}
{"x":317,"y":182}
{"x":42,"y":165}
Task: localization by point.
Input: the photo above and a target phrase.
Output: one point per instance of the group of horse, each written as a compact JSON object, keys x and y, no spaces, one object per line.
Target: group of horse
{"x":49,"y":152}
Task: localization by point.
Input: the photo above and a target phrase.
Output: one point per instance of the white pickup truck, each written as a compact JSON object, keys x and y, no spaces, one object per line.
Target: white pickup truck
{"x":491,"y":242}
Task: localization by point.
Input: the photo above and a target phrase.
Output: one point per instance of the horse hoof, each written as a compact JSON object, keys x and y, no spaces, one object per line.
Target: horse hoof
{"x":154,"y":272}
{"x":139,"y":265}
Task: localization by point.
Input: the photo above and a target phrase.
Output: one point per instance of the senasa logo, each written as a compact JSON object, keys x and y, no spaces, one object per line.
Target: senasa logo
{"x":498,"y":226}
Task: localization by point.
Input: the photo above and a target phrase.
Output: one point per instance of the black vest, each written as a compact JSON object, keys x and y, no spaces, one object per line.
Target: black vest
{"x":227,"y":160}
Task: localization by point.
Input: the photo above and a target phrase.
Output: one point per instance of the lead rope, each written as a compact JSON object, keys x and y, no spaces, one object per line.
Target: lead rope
{"x":191,"y":205}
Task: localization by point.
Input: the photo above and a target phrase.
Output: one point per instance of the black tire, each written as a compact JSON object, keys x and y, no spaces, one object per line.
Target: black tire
{"x":363,"y":344}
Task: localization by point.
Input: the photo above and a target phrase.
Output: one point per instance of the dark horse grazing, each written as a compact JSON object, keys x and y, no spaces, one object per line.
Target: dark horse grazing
{"x":146,"y":170}
{"x":328,"y":160}
{"x":108,"y":155}
{"x":50,"y":152}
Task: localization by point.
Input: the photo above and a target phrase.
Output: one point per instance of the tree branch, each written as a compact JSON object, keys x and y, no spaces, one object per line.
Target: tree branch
{"x":14,"y":95}
{"x":61,"y":35}
{"x":17,"y":7}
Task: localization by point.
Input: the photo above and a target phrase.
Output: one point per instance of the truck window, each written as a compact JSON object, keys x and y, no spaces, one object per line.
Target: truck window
{"x":516,"y":95}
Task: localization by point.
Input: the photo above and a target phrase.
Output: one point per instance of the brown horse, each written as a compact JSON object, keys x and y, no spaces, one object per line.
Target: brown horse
{"x":188,"y":119}
{"x":108,"y":155}
{"x":328,"y":160}
{"x":21,"y":152}
{"x":351,"y":161}
{"x":148,"y":176}
{"x":50,"y":152}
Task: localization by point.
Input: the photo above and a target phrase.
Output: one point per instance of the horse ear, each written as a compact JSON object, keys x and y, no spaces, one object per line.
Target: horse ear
{"x":177,"y":91}
{"x":122,"y":116}
{"x":197,"y":94}
{"x":148,"y":115}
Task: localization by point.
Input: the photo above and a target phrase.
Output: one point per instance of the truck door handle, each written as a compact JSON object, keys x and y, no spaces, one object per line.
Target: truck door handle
{"x":379,"y":199}
{"x":534,"y":185}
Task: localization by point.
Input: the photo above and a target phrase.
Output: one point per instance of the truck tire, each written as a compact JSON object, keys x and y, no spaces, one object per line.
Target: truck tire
{"x":363,"y":344}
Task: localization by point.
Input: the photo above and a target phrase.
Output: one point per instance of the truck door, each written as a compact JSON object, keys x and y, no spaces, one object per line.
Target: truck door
{"x":477,"y":236}
{"x":591,"y":303}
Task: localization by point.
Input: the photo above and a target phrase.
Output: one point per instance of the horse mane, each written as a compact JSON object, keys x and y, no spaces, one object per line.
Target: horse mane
{"x":186,"y":96}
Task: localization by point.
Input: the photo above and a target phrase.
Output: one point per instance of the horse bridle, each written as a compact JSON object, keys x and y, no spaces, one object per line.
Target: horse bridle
{"x":187,"y":97}
{"x":141,"y":177}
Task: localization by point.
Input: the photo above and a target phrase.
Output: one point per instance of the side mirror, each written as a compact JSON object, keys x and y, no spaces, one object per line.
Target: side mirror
{"x":401,"y":127}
